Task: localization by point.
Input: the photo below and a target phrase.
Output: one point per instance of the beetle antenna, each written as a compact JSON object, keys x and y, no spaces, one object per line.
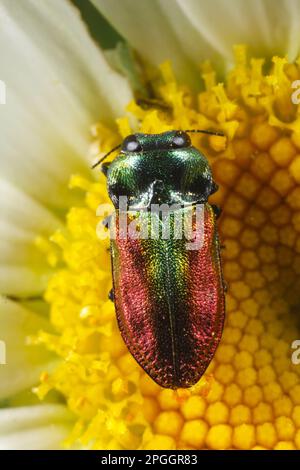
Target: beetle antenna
{"x":105,"y":156}
{"x":203,"y":131}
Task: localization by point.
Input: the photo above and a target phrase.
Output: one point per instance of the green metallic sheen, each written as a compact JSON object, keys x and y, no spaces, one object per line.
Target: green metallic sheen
{"x":169,"y":296}
{"x":159,"y":172}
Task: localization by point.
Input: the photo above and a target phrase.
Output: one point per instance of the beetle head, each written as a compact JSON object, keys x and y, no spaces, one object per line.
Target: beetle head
{"x":159,"y":168}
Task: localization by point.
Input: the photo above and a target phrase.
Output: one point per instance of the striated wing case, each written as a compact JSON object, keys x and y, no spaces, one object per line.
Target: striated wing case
{"x":169,"y":302}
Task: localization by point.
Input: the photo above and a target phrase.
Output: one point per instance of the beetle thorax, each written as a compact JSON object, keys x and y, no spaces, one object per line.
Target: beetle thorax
{"x":159,"y":174}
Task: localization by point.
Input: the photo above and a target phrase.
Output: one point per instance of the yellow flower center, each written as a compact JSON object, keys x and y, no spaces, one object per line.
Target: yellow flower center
{"x":250,"y":395}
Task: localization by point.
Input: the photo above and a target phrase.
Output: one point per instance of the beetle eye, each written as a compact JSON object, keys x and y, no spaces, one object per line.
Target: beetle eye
{"x":181,"y":139}
{"x":131,"y":144}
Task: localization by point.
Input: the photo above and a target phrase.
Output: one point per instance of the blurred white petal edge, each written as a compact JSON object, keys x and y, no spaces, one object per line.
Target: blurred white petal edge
{"x":58,"y":84}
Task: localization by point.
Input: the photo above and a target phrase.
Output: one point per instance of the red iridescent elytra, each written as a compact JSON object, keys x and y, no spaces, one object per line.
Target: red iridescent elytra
{"x":169,"y":298}
{"x":169,"y":303}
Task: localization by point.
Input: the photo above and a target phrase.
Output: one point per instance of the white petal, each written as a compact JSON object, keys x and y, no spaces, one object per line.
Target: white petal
{"x":58,"y":83}
{"x":23,"y":281}
{"x":23,"y":212}
{"x":24,"y":363}
{"x":148,"y":30}
{"x":292,"y":15}
{"x":23,"y":269}
{"x":261,"y":24}
{"x":190,"y":31}
{"x":26,"y":417}
{"x":48,"y":437}
{"x":34,"y":427}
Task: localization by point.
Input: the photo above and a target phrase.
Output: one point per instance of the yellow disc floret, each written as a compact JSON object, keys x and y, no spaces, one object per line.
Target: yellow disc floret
{"x":249,"y":398}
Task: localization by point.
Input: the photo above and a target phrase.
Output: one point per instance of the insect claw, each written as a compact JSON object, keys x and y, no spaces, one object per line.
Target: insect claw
{"x":111,"y":295}
{"x":214,"y":188}
{"x":217,"y":210}
{"x":106,"y":221}
{"x":223,"y":247}
{"x":225,"y":286}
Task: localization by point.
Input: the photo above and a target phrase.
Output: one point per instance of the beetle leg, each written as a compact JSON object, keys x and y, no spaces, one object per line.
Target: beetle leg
{"x":225,"y":286}
{"x":111,"y":295}
{"x":217,"y":210}
{"x":15,"y":298}
{"x":214,"y":188}
{"x":104,"y":168}
{"x":106,"y":221}
{"x":147,"y":103}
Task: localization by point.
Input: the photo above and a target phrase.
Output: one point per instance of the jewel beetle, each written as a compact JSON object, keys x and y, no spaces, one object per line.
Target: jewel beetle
{"x":169,"y":299}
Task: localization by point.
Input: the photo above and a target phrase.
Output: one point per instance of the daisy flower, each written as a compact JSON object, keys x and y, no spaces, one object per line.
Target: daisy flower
{"x":69,"y":380}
